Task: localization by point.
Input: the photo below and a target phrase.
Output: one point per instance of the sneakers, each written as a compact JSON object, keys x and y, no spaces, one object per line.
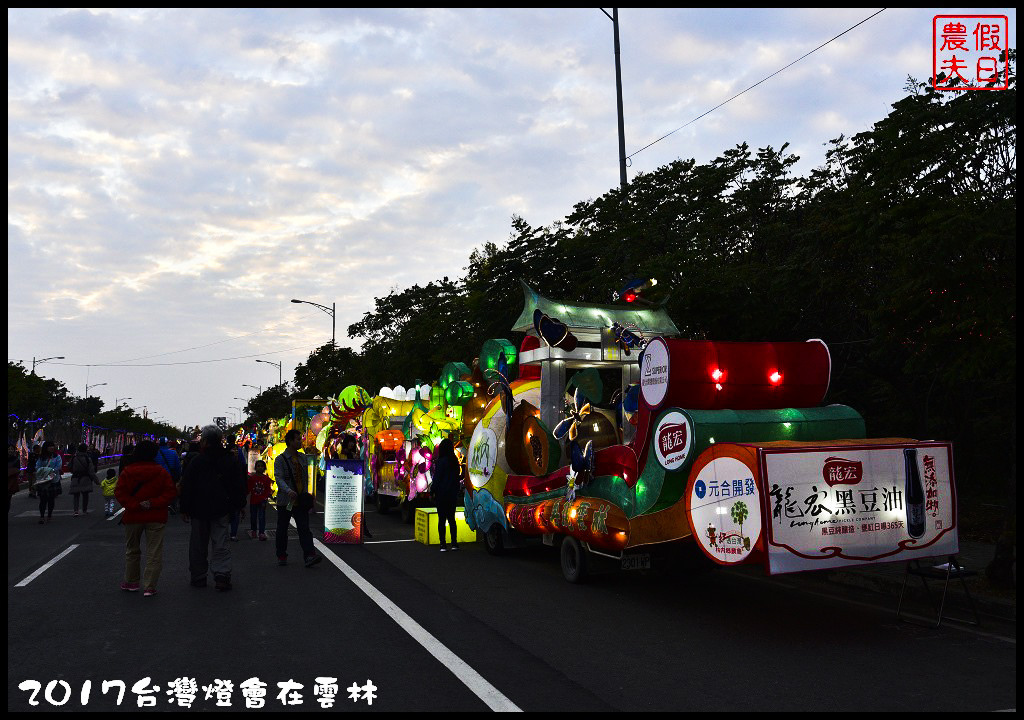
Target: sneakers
{"x":234,"y":538}
{"x":76,"y":513}
{"x":130,"y":587}
{"x":313,"y":560}
{"x":282,"y":559}
{"x":252,"y":534}
{"x":149,"y":592}
{"x":222,"y":582}
{"x":263,"y":536}
{"x":455,"y":547}
{"x":444,"y":549}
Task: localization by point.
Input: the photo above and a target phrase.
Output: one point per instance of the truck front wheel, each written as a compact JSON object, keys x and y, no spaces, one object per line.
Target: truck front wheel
{"x":494,"y":543}
{"x":574,"y":560}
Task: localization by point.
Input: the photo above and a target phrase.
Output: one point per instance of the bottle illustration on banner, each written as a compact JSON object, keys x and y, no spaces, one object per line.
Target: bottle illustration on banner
{"x":914,"y":493}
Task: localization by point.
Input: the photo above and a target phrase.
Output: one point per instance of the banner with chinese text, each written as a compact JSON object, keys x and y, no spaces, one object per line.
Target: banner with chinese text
{"x":829,"y":507}
{"x":343,"y":502}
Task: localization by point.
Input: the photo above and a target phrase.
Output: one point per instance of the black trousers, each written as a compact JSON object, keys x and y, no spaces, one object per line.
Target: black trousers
{"x":302,"y":523}
{"x":446,"y":513}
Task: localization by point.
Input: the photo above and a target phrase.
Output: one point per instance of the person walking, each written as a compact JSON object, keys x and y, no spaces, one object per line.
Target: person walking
{"x":260,"y":489}
{"x":83,"y":476}
{"x":447,"y":481}
{"x":109,"y":486}
{"x":30,"y":470}
{"x":214,"y":484}
{"x":145,"y":490}
{"x":48,"y":485}
{"x":293,"y":500}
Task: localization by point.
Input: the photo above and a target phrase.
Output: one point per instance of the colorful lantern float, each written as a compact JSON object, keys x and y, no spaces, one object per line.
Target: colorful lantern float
{"x":722,"y":445}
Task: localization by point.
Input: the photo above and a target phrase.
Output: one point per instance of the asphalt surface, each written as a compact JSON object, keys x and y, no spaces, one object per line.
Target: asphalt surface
{"x":501,"y":633}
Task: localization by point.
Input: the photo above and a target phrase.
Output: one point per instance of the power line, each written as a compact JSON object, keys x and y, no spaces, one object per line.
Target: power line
{"x":756,"y":84}
{"x":197,"y":347}
{"x":189,"y":362}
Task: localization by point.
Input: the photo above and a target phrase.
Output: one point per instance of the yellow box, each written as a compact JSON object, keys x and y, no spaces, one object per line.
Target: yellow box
{"x":426,"y":527}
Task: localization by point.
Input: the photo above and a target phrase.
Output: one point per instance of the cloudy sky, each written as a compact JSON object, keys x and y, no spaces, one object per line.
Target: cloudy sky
{"x":176,"y":176}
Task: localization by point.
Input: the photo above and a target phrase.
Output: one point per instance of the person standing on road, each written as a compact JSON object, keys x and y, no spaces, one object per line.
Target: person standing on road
{"x":145,"y":490}
{"x":126,"y":457}
{"x":30,"y":470}
{"x":447,"y":481}
{"x":293,"y":500}
{"x":259,"y":493}
{"x":109,"y":486}
{"x":214,"y":484}
{"x":166,"y":457}
{"x":48,"y":485}
{"x":13,"y":472}
{"x":83,"y":476}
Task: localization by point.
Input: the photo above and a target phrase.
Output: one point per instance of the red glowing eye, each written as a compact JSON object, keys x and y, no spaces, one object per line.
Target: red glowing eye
{"x":775,"y":377}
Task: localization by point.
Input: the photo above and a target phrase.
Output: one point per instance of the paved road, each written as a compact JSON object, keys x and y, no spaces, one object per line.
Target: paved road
{"x":466,"y":631}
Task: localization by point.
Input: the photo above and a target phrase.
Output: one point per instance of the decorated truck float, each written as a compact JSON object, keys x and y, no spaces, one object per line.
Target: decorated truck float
{"x":606,"y":434}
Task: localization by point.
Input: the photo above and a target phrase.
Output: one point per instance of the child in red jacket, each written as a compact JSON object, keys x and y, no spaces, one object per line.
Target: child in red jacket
{"x":259,"y":494}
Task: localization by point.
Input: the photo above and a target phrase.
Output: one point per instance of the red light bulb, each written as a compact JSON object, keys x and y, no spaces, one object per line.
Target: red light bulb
{"x":717,"y":375}
{"x":775,"y":377}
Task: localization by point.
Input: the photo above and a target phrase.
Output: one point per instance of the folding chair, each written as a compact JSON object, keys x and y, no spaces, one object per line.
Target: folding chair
{"x":944,"y":572}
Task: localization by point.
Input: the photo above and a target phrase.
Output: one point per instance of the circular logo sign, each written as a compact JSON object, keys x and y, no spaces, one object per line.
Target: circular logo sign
{"x":483,"y":454}
{"x":673,"y":440}
{"x":725,"y":510}
{"x":654,"y":372}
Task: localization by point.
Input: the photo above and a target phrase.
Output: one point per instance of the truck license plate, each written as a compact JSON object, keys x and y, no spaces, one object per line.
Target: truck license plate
{"x":636,"y":562}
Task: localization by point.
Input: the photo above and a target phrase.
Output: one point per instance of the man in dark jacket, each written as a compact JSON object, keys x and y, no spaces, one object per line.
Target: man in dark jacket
{"x":214,"y":484}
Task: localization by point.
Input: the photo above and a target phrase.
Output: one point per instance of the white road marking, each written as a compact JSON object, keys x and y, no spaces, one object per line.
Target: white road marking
{"x":378,"y":542}
{"x":115,"y":515}
{"x":469,"y":677}
{"x":44,"y":568}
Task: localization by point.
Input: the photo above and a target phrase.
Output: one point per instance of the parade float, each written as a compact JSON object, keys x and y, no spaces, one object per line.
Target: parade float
{"x":607,"y":435}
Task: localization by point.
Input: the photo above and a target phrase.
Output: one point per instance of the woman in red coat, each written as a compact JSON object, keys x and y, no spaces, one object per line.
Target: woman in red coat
{"x":145,"y":490}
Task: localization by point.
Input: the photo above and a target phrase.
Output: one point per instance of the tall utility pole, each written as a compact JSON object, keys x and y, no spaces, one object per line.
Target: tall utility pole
{"x":614,"y":17}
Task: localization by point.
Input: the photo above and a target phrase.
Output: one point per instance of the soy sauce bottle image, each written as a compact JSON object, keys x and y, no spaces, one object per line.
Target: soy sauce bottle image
{"x":914,"y":494}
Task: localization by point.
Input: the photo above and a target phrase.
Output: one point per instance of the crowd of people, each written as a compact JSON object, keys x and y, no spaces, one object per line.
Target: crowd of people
{"x":210,"y":484}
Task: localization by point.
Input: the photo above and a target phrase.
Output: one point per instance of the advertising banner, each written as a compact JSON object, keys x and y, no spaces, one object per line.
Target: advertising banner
{"x":343,"y":502}
{"x":831,"y":507}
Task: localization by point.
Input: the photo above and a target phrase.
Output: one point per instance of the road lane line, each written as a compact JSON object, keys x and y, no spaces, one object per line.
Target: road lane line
{"x":44,"y":568}
{"x":115,"y":515}
{"x":378,"y":542}
{"x":469,"y":677}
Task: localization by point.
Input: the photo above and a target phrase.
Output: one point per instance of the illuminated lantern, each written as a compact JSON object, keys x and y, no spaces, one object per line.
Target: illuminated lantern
{"x":390,"y":440}
{"x":419,"y":469}
{"x":734,"y":375}
{"x":398,"y":392}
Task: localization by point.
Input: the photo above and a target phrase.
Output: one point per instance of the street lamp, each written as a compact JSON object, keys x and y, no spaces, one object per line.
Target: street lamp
{"x":329,"y":310}
{"x":91,"y":386}
{"x":278,"y":365}
{"x":117,"y":402}
{"x":257,"y":388}
{"x":39,"y":362}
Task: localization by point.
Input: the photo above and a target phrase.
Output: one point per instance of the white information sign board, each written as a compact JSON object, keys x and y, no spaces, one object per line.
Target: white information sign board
{"x":857,"y":504}
{"x":343,"y":502}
